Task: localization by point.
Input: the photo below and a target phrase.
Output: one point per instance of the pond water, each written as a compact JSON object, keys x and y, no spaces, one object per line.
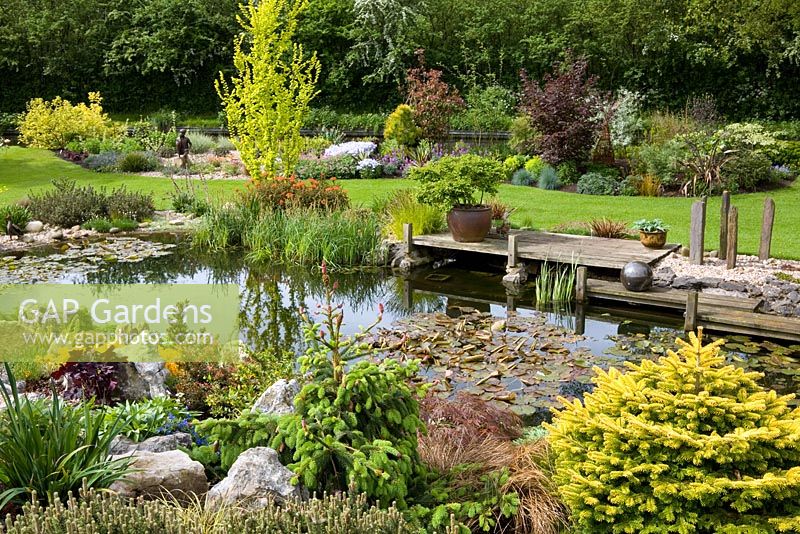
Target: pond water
{"x":462,"y":324}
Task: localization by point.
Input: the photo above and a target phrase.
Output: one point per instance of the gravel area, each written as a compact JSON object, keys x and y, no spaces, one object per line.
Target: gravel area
{"x":775,"y":281}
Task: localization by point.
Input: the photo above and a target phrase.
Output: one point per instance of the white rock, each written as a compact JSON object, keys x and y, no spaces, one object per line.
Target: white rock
{"x":254,"y":477}
{"x":156,"y":474}
{"x":278,"y":399}
{"x":34,"y":227}
{"x":114,"y":230}
{"x":176,"y":222}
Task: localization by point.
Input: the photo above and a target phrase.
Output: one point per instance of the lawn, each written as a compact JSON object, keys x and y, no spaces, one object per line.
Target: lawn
{"x":23,"y":170}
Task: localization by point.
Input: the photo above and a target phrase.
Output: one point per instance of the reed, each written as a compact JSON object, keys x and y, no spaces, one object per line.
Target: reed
{"x":556,"y":283}
{"x":403,"y":207}
{"x":346,"y":238}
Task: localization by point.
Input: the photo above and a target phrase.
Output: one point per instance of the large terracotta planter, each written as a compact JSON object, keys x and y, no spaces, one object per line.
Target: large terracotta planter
{"x":469,"y":224}
{"x":653,"y":239}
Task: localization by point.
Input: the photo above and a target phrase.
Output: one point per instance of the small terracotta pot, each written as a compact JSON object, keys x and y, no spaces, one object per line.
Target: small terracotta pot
{"x":469,"y":224}
{"x":653,"y":239}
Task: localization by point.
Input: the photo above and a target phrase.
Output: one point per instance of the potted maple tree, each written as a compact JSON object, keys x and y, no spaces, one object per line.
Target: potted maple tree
{"x":458,"y":184}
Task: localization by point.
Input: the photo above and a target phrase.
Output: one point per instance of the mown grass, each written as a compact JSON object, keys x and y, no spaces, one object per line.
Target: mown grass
{"x":22,"y":170}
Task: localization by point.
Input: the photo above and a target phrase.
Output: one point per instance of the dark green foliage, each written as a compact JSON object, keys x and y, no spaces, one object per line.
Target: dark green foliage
{"x":67,"y":204}
{"x":747,"y":171}
{"x":788,"y":153}
{"x":326,"y":117}
{"x":53,"y":448}
{"x":339,"y":167}
{"x":137,"y":162}
{"x":568,"y":172}
{"x":522,"y":177}
{"x":125,"y":204}
{"x":105,"y":513}
{"x":20,"y":215}
{"x":232,"y":437}
{"x":662,"y":161}
{"x":629,"y":186}
{"x":598,"y":184}
{"x":548,"y":178}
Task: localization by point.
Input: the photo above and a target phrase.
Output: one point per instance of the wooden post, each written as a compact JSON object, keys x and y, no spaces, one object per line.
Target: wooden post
{"x":766,"y":229}
{"x":580,"y":319}
{"x":733,"y":236}
{"x":408,"y":295}
{"x":581,"y":277}
{"x":512,"y":251}
{"x":725,"y":207}
{"x":511,"y":302}
{"x":697,"y":233}
{"x":690,"y":320}
{"x":408,"y":238}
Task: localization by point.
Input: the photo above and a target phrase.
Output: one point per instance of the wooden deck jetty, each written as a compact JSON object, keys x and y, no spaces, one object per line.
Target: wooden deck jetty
{"x":715,"y":312}
{"x":596,"y":252}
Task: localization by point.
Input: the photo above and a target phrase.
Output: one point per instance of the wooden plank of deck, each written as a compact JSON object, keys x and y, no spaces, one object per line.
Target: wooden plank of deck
{"x":561,"y":248}
{"x":667,"y":298}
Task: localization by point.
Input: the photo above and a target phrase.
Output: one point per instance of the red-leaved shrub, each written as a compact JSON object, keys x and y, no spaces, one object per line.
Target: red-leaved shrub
{"x":562,"y":111}
{"x":433,"y":100}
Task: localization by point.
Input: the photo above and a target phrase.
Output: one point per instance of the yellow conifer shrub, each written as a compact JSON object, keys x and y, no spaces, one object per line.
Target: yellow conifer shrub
{"x":686,"y":445}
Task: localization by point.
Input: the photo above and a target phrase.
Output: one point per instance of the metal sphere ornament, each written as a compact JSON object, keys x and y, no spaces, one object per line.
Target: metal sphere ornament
{"x":636,"y":276}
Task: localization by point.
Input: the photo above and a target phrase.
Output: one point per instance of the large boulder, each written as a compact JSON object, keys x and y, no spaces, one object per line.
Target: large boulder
{"x":278,"y":399}
{"x":34,"y":227}
{"x":142,"y":380}
{"x":256,"y":476}
{"x":171,"y":442}
{"x":158,"y":474}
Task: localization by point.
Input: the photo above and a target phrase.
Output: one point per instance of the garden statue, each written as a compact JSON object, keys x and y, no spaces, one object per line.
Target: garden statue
{"x":12,"y":229}
{"x":182,"y":146}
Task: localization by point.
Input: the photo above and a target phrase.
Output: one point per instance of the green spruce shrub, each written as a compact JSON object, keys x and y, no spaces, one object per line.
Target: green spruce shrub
{"x":685,"y":445}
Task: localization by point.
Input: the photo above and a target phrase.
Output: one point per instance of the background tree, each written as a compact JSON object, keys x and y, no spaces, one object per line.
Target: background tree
{"x":265,"y":103}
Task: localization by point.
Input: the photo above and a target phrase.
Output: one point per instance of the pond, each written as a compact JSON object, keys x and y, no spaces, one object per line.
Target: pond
{"x":469,"y":334}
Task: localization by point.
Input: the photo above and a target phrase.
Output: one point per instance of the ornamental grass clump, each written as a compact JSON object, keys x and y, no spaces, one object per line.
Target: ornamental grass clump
{"x":686,"y":444}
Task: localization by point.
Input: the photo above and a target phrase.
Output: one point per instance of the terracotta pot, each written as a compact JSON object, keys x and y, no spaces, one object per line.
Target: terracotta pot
{"x":469,"y":224}
{"x":653,"y":239}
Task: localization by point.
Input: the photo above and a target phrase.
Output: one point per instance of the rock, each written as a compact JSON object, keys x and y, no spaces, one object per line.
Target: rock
{"x":158,"y":474}
{"x":142,"y":380}
{"x":727,"y":285}
{"x":176,"y":222}
{"x":515,"y":275}
{"x":254,"y":477}
{"x":771,"y":292}
{"x":278,"y":399}
{"x":754,"y":291}
{"x":144,"y":224}
{"x":685,"y":282}
{"x":124,"y":446}
{"x":75,"y":228}
{"x":663,"y":277}
{"x":114,"y":230}
{"x":793,"y":297}
{"x":713,"y":254}
{"x":710,"y":282}
{"x":685,"y":251}
{"x":34,"y":227}
{"x":28,"y":238}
